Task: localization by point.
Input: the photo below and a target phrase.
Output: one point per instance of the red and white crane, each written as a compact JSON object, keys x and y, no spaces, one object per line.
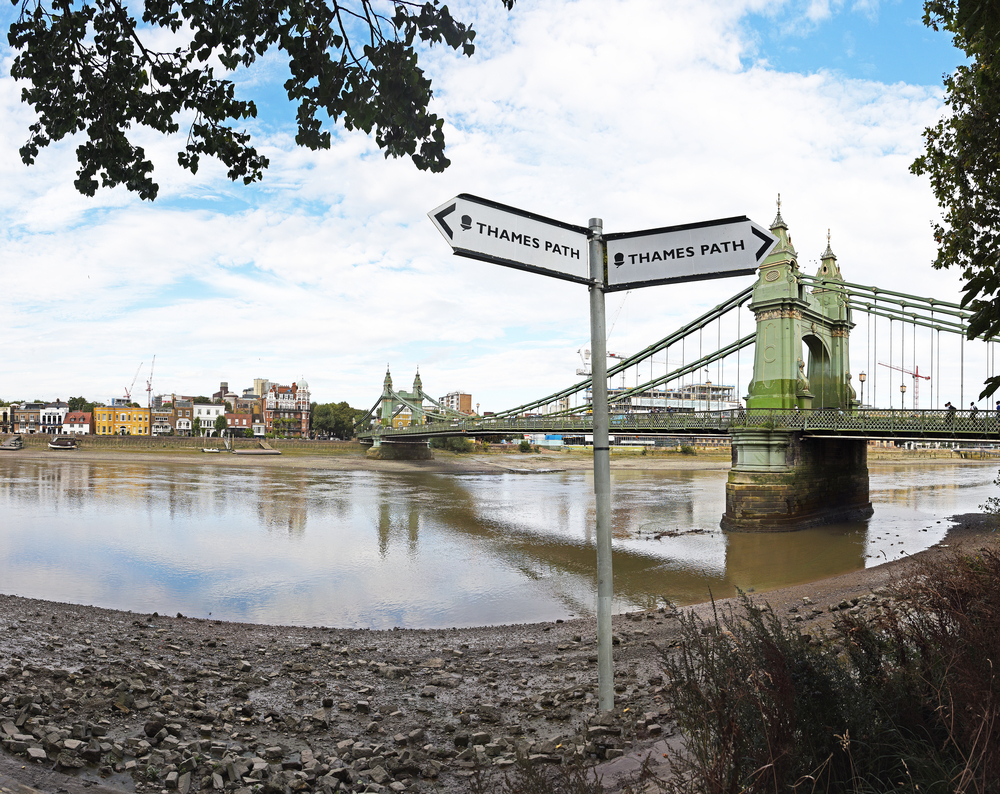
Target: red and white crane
{"x":128,"y":391}
{"x":915,"y":373}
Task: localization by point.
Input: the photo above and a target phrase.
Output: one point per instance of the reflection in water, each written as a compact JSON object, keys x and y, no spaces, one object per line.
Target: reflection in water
{"x":368,"y":549}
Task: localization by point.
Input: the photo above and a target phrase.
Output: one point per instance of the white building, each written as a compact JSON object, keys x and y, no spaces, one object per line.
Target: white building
{"x":207,"y":413}
{"x":52,"y":416}
{"x":78,"y":423}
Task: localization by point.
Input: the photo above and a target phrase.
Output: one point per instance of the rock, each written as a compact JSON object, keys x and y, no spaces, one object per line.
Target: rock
{"x":319,"y":716}
{"x":152,"y":727}
{"x":69,"y":761}
{"x":379,"y":775}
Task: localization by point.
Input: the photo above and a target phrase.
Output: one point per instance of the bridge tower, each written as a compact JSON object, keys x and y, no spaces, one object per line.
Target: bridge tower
{"x":391,"y":400}
{"x":388,"y":403}
{"x":780,"y":479}
{"x":788,"y":316}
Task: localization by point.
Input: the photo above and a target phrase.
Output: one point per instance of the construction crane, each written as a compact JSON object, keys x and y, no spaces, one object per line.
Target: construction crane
{"x":585,"y":357}
{"x":128,"y":391}
{"x":149,"y":394}
{"x":916,"y":380}
{"x":149,"y":384}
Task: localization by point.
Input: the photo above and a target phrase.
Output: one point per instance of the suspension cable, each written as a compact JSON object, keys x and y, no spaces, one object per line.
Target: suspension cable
{"x":875,"y":368}
{"x":961,"y":372}
{"x":739,"y":370}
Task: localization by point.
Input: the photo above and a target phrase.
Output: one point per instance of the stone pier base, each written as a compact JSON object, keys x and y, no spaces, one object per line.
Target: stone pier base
{"x":782,"y":481}
{"x":396,"y":450}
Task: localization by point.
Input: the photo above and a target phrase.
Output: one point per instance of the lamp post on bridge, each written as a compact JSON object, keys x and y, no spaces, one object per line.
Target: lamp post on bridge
{"x":902,"y":395}
{"x":862,"y":377}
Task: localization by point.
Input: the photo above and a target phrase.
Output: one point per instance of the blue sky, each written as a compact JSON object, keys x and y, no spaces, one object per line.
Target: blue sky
{"x":646,"y":113}
{"x":883,"y":41}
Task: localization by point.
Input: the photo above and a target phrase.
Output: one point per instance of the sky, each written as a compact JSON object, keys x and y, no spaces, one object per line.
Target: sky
{"x":644,"y":113}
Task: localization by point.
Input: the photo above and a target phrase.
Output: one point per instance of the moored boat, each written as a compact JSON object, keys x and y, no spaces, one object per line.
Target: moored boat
{"x":62,"y":442}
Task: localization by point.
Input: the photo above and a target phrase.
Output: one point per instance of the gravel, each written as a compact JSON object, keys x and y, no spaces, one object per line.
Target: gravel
{"x":156,"y":703}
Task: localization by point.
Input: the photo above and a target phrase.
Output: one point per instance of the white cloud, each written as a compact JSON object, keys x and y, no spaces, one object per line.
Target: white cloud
{"x":636,"y":111}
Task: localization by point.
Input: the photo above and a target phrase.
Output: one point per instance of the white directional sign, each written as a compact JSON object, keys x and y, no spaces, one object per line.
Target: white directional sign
{"x":483,"y":229}
{"x":710,"y":249}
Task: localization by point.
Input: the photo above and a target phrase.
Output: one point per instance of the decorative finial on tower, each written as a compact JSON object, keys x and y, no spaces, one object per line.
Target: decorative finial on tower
{"x":828,"y":253}
{"x":779,"y":222}
{"x":828,"y":267}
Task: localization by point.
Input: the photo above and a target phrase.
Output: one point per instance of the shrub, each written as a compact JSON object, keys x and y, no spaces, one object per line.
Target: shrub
{"x":687,"y":449}
{"x":524,"y":446}
{"x":459,"y":444}
{"x":909,"y":700}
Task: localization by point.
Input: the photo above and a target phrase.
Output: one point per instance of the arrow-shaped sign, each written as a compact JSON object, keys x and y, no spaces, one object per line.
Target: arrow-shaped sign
{"x":482,"y":229}
{"x":695,"y":251}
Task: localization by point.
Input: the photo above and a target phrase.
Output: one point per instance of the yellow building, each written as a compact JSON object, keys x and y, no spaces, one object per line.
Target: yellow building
{"x":121,"y":420}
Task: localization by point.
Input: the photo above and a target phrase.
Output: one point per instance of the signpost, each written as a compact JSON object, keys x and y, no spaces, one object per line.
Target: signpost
{"x":710,"y":249}
{"x":481,"y":229}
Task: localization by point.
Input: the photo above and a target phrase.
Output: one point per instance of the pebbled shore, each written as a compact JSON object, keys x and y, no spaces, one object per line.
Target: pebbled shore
{"x":149,"y":703}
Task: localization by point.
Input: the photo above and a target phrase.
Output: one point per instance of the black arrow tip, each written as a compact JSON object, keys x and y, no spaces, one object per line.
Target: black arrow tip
{"x":440,"y":216}
{"x":768,"y":241}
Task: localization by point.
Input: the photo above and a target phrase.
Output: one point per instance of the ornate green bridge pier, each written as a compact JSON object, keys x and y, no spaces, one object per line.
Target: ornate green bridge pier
{"x":780,"y":479}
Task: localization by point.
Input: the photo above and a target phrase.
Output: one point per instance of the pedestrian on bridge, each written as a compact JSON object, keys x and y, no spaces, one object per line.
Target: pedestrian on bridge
{"x":973,"y":410}
{"x":950,"y":418}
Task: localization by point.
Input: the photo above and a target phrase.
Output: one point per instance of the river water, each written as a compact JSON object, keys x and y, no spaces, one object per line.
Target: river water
{"x":368,"y":549}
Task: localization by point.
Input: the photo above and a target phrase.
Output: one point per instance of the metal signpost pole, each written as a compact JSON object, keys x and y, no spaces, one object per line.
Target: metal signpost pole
{"x":478,"y":228}
{"x":602,"y":470}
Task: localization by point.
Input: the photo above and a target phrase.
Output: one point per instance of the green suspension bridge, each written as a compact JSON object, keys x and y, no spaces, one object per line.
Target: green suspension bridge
{"x":799,"y":441}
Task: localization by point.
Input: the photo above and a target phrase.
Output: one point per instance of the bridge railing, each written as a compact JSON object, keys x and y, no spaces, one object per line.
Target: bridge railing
{"x":876,"y":421}
{"x":872,"y":422}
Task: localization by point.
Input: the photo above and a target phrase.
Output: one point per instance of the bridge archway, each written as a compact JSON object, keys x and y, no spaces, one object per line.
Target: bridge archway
{"x":802,"y":351}
{"x":779,"y":479}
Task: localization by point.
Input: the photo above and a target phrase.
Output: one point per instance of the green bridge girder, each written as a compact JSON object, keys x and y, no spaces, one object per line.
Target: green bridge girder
{"x":874,"y":423}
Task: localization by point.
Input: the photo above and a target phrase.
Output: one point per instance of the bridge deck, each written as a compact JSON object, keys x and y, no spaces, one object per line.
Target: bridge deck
{"x":868,"y":423}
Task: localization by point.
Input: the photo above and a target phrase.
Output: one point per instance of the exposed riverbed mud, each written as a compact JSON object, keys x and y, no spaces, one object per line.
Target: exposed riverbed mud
{"x":149,"y":703}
